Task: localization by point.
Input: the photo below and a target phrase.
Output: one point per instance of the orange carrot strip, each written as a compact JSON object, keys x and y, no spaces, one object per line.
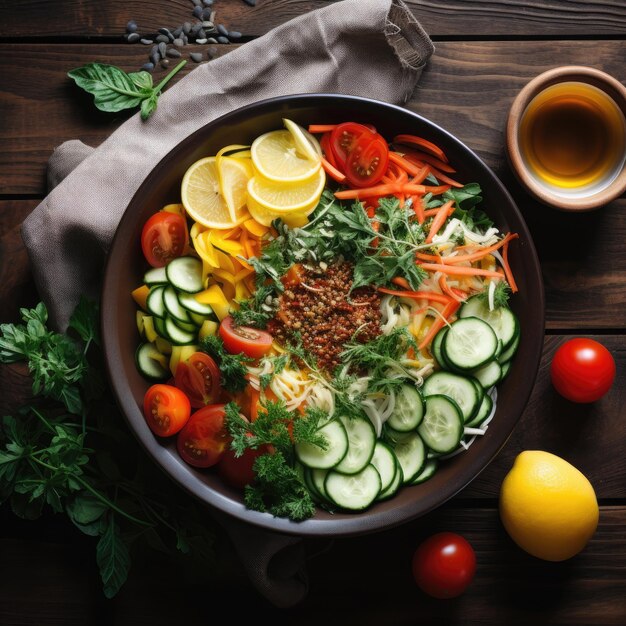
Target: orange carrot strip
{"x":407,"y":166}
{"x":417,"y":295}
{"x":442,"y":178}
{"x":460,"y":271}
{"x":433,"y":212}
{"x":507,"y":268}
{"x":436,"y":190}
{"x":332,"y":171}
{"x":255,"y":396}
{"x":429,"y":258}
{"x":421,"y":175}
{"x":461,"y":258}
{"x":419,"y":158}
{"x":418,"y":208}
{"x":321,"y":128}
{"x":439,"y":219}
{"x":387,"y":189}
{"x":412,"y":189}
{"x":449,"y":310}
{"x":429,"y":146}
{"x":401,"y":282}
{"x":443,"y":285}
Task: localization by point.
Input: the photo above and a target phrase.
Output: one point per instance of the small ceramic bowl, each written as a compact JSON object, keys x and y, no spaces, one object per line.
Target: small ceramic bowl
{"x":584,"y":199}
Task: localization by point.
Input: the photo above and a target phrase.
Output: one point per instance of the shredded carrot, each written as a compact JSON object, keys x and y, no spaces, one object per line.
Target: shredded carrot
{"x":442,"y":178}
{"x":419,"y":158}
{"x":460,"y":271}
{"x":407,"y":166}
{"x":443,"y":285}
{"x":417,"y":295}
{"x":449,"y":310}
{"x":401,"y":282}
{"x":321,"y":128}
{"x":507,"y":268}
{"x":255,"y":396}
{"x":429,"y":258}
{"x":436,"y":190}
{"x":327,"y":150}
{"x":418,"y":208}
{"x":332,"y":171}
{"x":439,"y":220}
{"x":462,"y":258}
{"x":429,"y":146}
{"x":421,"y":175}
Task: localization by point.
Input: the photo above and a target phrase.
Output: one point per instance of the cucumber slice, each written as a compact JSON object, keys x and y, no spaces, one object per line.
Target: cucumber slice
{"x":155,"y":276}
{"x":173,"y":306}
{"x":488,"y":375}
{"x":408,"y":410}
{"x":509,"y":353}
{"x":435,"y":347}
{"x":503,"y":321}
{"x":197,"y":319}
{"x":185,"y":273}
{"x":469,"y":343}
{"x":460,"y":389}
{"x":411,"y":455}
{"x":428,"y":471}
{"x":361,"y":444}
{"x":337,"y":446}
{"x":154,"y":301}
{"x":353,"y":492}
{"x":442,"y":427}
{"x":483,"y":412}
{"x":188,"y":301}
{"x":176,"y":335}
{"x":384,"y":460}
{"x":505,"y":370}
{"x":318,"y":477}
{"x":396,"y":483}
{"x":147,"y":358}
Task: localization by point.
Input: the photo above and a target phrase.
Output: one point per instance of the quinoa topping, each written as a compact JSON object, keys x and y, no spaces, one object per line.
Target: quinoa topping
{"x":325,"y":314}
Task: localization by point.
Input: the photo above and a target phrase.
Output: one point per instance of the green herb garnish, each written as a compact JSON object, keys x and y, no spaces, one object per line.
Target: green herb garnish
{"x":232,"y":366}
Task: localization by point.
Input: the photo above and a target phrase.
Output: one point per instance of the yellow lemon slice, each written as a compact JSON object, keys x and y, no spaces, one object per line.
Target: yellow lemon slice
{"x":202,"y":198}
{"x":234,"y":175}
{"x":276,"y":157}
{"x":305,"y":143}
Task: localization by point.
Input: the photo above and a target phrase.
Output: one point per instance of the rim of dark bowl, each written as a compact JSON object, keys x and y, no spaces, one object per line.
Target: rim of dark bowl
{"x":382,"y":515}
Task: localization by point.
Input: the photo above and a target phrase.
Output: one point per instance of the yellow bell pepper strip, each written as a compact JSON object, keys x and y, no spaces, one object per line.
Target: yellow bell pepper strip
{"x":178,"y":209}
{"x":226,"y":245}
{"x":139,"y":319}
{"x":214,"y":297}
{"x":140,"y":295}
{"x":180,"y":353}
{"x":148,"y":329}
{"x":255,"y":229}
{"x":163,"y":345}
{"x":208,"y":329}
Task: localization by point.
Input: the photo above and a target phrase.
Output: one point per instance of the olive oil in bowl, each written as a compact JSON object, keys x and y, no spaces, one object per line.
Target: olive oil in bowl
{"x":572,"y":138}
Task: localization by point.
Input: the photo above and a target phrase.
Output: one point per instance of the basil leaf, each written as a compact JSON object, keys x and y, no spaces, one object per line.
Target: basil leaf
{"x":113,"y":559}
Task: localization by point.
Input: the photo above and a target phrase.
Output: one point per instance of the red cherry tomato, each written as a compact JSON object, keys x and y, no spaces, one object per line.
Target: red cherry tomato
{"x":204,"y":438}
{"x":237,"y":471}
{"x":166,"y":409}
{"x":344,"y":137}
{"x":163,"y":238}
{"x":368,"y":161}
{"x":444,"y":565}
{"x":251,"y":341}
{"x":199,"y":378}
{"x":582,"y":370}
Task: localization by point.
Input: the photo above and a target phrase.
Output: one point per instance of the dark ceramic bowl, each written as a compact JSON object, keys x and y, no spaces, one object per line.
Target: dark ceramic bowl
{"x":126,"y":266}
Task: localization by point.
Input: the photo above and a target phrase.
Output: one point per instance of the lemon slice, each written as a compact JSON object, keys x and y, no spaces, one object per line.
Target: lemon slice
{"x":276,"y":157}
{"x":234,"y":175}
{"x":306,"y":144}
{"x":202,"y":198}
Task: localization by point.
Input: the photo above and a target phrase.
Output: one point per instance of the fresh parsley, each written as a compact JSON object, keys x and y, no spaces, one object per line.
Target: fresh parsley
{"x":501,"y":294}
{"x":258,"y":310}
{"x":232,"y":366}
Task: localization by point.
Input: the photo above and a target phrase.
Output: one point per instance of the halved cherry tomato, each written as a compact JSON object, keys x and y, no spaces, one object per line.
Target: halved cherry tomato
{"x":199,"y":378}
{"x":164,"y":237}
{"x":204,"y":438}
{"x":344,"y":137}
{"x":238,"y":471}
{"x":368,"y":161}
{"x":166,"y":409}
{"x":251,"y":341}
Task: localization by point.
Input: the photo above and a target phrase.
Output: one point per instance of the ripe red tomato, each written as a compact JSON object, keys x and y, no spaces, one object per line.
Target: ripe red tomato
{"x":237,"y":471}
{"x":163,"y":238}
{"x":368,"y":161}
{"x":203,"y":440}
{"x":166,"y":409}
{"x":199,"y":378}
{"x":582,"y":370}
{"x":251,"y":341}
{"x":444,"y":565}
{"x":344,"y":137}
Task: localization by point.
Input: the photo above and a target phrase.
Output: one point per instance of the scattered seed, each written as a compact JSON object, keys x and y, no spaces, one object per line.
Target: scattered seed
{"x":212,"y":52}
{"x":155,"y":56}
{"x":162,"y":38}
{"x":178,"y":32}
{"x":207,"y":24}
{"x":133,"y":37}
{"x":211,"y":40}
{"x":165,"y":31}
{"x":201,"y":34}
{"x":201,"y":42}
{"x":186,"y":27}
{"x":212,"y":16}
{"x":148,"y":67}
{"x":162,"y":49}
{"x":131,"y":27}
{"x":207,"y":3}
{"x":173,"y":53}
{"x":165,"y":63}
{"x":222,"y":30}
{"x":196,"y":57}
{"x":198,"y":3}
{"x":250,"y":3}
{"x":197,"y":12}
{"x":222,"y":40}
{"x":196,"y":28}
{"x":234,"y":34}
{"x":207,"y":14}
{"x":146,"y":42}
{"x":185,"y":38}
{"x":179,"y":43}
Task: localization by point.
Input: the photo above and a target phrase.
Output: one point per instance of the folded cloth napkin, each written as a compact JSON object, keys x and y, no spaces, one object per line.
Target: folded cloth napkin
{"x":330,"y":50}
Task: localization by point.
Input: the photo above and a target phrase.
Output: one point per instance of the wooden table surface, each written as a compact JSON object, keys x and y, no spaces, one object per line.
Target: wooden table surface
{"x":486,"y":51}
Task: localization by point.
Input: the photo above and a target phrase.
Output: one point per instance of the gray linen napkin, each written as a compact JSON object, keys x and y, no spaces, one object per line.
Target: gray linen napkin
{"x":67,"y":236}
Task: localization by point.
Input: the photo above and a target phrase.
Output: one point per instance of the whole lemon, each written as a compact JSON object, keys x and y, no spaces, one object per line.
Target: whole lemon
{"x":547,"y":506}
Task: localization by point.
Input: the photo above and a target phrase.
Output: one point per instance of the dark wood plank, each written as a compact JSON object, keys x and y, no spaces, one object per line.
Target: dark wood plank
{"x":365,"y":580}
{"x":441,"y":18}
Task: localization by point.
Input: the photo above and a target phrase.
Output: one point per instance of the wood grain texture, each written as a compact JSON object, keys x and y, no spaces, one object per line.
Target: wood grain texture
{"x":440,"y":18}
{"x":365,"y":580}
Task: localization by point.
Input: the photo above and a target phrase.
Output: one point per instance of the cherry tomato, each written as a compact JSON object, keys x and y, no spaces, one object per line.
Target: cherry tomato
{"x":199,"y":378}
{"x":368,"y":161}
{"x":251,"y":341}
{"x":204,"y":438}
{"x":163,"y":238}
{"x":166,"y":409}
{"x":344,"y":137}
{"x":237,"y":471}
{"x":444,"y":565}
{"x":582,"y":370}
